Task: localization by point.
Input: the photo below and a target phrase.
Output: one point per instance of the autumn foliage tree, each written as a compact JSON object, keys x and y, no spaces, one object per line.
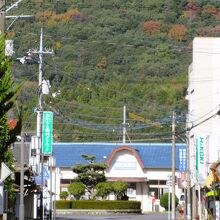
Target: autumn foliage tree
{"x":178,"y":32}
{"x":52,"y":16}
{"x":151,"y":26}
{"x":210,"y":10}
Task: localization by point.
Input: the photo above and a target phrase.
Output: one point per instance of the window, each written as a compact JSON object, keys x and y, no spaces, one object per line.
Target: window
{"x":131,"y":190}
{"x":163,"y":182}
{"x":65,"y":181}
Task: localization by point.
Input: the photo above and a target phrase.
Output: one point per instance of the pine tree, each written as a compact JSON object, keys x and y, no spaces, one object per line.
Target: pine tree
{"x":8,"y":92}
{"x":90,"y":174}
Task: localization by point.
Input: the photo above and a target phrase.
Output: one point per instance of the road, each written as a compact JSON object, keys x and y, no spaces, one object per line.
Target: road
{"x":150,"y":216}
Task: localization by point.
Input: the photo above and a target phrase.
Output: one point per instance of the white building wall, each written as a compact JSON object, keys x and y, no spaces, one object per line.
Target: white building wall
{"x":146,"y":203}
{"x":155,"y":174}
{"x":124,"y":165}
{"x":204,"y":97}
{"x":67,"y":173}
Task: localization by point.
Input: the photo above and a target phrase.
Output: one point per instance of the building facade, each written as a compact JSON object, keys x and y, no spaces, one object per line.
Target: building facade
{"x":203,"y":104}
{"x":145,"y":167}
{"x":203,"y":120}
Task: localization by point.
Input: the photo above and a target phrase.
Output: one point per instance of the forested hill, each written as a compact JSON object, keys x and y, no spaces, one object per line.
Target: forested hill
{"x":110,"y":53}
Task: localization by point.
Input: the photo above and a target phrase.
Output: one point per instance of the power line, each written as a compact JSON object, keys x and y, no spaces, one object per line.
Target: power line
{"x":196,"y":125}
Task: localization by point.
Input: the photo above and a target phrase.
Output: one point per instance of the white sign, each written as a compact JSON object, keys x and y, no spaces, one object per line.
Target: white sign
{"x":9,"y":47}
{"x":46,"y":87}
{"x":201,"y":158}
{"x":5,"y":172}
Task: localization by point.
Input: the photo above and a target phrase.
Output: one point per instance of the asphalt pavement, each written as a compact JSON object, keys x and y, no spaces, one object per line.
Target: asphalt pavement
{"x":149,"y":216}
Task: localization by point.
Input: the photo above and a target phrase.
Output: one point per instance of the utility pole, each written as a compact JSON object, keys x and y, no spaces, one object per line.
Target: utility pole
{"x":124,"y":125}
{"x":52,"y":165}
{"x":21,"y":205}
{"x":173,"y":168}
{"x":188,"y":207}
{"x":40,"y":53}
{"x":2,"y":17}
{"x":3,"y":11}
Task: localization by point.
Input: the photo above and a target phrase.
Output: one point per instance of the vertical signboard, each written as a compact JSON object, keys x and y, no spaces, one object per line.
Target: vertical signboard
{"x":47,"y":132}
{"x":182,"y":159}
{"x":200,"y":158}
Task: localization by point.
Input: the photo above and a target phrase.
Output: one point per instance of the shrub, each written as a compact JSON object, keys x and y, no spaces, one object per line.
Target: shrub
{"x":76,"y":189}
{"x":164,"y":200}
{"x":64,"y":195}
{"x":119,"y":188}
{"x":103,"y":189}
{"x":61,"y":204}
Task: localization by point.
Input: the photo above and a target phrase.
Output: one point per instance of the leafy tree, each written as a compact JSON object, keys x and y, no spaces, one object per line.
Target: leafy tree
{"x":90,"y":174}
{"x":8,"y":132}
{"x":76,"y":189}
{"x":104,"y":189}
{"x":151,"y":26}
{"x":105,"y":43}
{"x":64,"y":195}
{"x":178,"y":32}
{"x":119,"y":188}
{"x":164,"y":200}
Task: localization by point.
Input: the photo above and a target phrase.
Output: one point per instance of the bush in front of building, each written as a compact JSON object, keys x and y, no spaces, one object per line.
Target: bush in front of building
{"x":98,"y":204}
{"x":63,"y":204}
{"x":164,"y":200}
{"x":77,"y":190}
{"x":103,"y":189}
{"x":120,"y":189}
{"x":64,"y":195}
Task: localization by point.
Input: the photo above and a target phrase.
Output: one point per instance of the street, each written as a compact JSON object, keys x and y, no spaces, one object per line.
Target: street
{"x":150,"y":216}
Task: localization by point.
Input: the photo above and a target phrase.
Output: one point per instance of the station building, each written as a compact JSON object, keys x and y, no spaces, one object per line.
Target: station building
{"x":146,"y":167}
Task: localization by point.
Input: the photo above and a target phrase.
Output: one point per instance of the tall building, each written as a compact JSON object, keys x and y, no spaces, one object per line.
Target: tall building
{"x":203,"y":104}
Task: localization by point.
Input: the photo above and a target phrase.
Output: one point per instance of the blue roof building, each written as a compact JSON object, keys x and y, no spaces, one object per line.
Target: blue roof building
{"x":153,"y":155}
{"x":146,"y":167}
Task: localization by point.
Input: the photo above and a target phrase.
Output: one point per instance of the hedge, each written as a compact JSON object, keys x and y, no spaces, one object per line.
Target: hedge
{"x":97,"y":204}
{"x":63,"y":204}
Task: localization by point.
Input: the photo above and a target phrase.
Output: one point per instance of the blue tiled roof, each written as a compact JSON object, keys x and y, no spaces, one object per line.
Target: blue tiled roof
{"x":153,"y":155}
